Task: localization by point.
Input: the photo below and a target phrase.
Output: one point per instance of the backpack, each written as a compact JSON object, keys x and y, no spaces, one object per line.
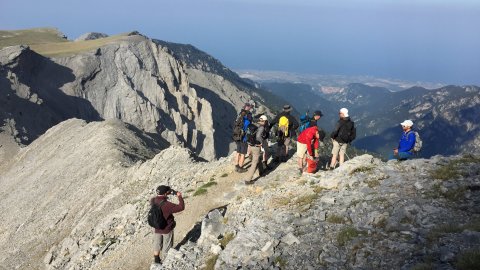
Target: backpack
{"x":348,"y":132}
{"x":283,"y":124}
{"x":266,"y":131}
{"x":418,"y":142}
{"x":304,"y":123}
{"x":238,"y":129}
{"x":251,"y":134}
{"x":155,"y":217}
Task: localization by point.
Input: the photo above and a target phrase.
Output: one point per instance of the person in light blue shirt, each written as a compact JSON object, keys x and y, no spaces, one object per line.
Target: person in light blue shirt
{"x":407,"y":142}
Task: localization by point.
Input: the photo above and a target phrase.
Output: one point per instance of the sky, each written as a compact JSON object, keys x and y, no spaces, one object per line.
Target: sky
{"x":414,"y":40}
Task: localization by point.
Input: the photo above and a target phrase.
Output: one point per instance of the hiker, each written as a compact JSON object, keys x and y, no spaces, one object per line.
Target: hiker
{"x":265,"y":136}
{"x":316,"y":116}
{"x":343,"y":134}
{"x":406,"y":144}
{"x":308,"y":138}
{"x":256,"y":141}
{"x":163,"y":238}
{"x":287,"y":125}
{"x":241,"y":123}
{"x":307,"y":121}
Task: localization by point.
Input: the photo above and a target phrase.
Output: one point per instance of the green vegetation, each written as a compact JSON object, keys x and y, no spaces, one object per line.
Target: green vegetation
{"x":347,"y":234}
{"x":280,"y":262}
{"x":226,"y":239}
{"x":224,"y":175}
{"x":452,"y":169}
{"x":362,"y":169}
{"x":373,"y":183}
{"x":203,"y":189}
{"x":199,"y":192}
{"x":306,"y":199}
{"x":209,"y":184}
{"x":335,"y":219}
{"x":210,"y":263}
{"x":48,"y":42}
{"x":318,"y":189}
{"x":468,"y":260}
{"x":30,"y":36}
{"x":443,"y":229}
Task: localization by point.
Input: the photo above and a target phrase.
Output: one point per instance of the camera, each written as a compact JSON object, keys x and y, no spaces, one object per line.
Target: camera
{"x":173,"y":192}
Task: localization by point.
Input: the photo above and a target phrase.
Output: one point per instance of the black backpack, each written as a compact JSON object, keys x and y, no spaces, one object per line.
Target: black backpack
{"x":348,"y":132}
{"x":266,"y":131}
{"x":238,"y":129}
{"x":252,"y":134}
{"x":155,"y":216}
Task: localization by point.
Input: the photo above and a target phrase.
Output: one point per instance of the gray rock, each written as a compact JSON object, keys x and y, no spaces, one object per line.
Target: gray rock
{"x":91,"y":36}
{"x":290,"y":239}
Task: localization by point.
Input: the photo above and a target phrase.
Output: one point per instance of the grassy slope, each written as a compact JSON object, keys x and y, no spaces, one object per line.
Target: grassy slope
{"x":48,"y":41}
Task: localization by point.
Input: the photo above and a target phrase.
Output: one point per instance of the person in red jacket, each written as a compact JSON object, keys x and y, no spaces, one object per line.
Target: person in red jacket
{"x":163,"y":239}
{"x":308,"y":138}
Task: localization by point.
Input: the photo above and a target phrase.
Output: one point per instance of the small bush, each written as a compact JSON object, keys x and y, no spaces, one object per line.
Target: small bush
{"x":280,"y":201}
{"x":468,"y":260}
{"x":280,"y":262}
{"x":373,"y":183}
{"x":335,"y":219}
{"x":306,"y":199}
{"x":318,"y":189}
{"x":190,"y":190}
{"x":199,"y":192}
{"x":441,"y":230}
{"x":455,"y":194}
{"x":362,"y":169}
{"x":226,"y":239}
{"x":210,"y":263}
{"x":209,"y":184}
{"x":347,"y":234}
{"x":224,"y":175}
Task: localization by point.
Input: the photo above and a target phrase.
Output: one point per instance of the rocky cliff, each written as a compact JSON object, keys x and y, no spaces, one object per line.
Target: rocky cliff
{"x":77,"y":198}
{"x":127,"y":77}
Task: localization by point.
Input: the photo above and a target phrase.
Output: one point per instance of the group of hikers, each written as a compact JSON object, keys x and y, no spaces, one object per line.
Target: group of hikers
{"x":252,"y":139}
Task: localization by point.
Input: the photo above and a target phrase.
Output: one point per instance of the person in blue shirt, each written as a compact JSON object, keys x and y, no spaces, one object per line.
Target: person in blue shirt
{"x":407,"y":142}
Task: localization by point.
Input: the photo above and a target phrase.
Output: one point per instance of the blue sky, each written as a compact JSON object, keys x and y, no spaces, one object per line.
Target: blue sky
{"x":423,"y":40}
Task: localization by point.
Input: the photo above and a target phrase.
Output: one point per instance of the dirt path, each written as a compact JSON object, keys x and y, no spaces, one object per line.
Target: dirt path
{"x":139,"y":255}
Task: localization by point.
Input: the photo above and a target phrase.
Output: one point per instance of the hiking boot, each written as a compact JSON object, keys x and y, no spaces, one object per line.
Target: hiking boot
{"x":241,"y":170}
{"x":300,"y":172}
{"x":265,"y":165}
{"x":156,"y":259}
{"x":248,"y":182}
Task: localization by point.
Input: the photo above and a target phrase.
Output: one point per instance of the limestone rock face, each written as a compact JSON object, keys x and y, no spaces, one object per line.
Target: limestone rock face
{"x":91,"y":36}
{"x":133,"y":80}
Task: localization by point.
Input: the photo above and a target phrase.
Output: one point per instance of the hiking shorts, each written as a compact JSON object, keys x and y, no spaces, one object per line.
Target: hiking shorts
{"x":339,"y":148}
{"x":301,"y":150}
{"x":242,"y":148}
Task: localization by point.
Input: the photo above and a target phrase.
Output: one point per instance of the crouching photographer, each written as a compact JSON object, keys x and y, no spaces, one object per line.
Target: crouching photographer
{"x":163,"y":220}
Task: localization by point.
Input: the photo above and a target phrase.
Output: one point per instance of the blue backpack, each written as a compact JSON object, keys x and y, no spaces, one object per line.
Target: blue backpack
{"x":304,"y":123}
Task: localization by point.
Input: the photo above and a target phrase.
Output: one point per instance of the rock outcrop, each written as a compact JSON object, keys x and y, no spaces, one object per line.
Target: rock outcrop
{"x":365,"y":215}
{"x":91,"y":36}
{"x":134,"y":80}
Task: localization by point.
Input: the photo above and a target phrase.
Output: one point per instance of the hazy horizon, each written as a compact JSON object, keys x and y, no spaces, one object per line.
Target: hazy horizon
{"x":426,"y":40}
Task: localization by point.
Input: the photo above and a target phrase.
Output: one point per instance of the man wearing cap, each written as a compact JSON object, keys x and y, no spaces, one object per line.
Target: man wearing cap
{"x":341,"y":137}
{"x":316,"y":116}
{"x":244,"y":119}
{"x":407,"y":142}
{"x":284,"y":140}
{"x":256,"y":150}
{"x":163,"y":239}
